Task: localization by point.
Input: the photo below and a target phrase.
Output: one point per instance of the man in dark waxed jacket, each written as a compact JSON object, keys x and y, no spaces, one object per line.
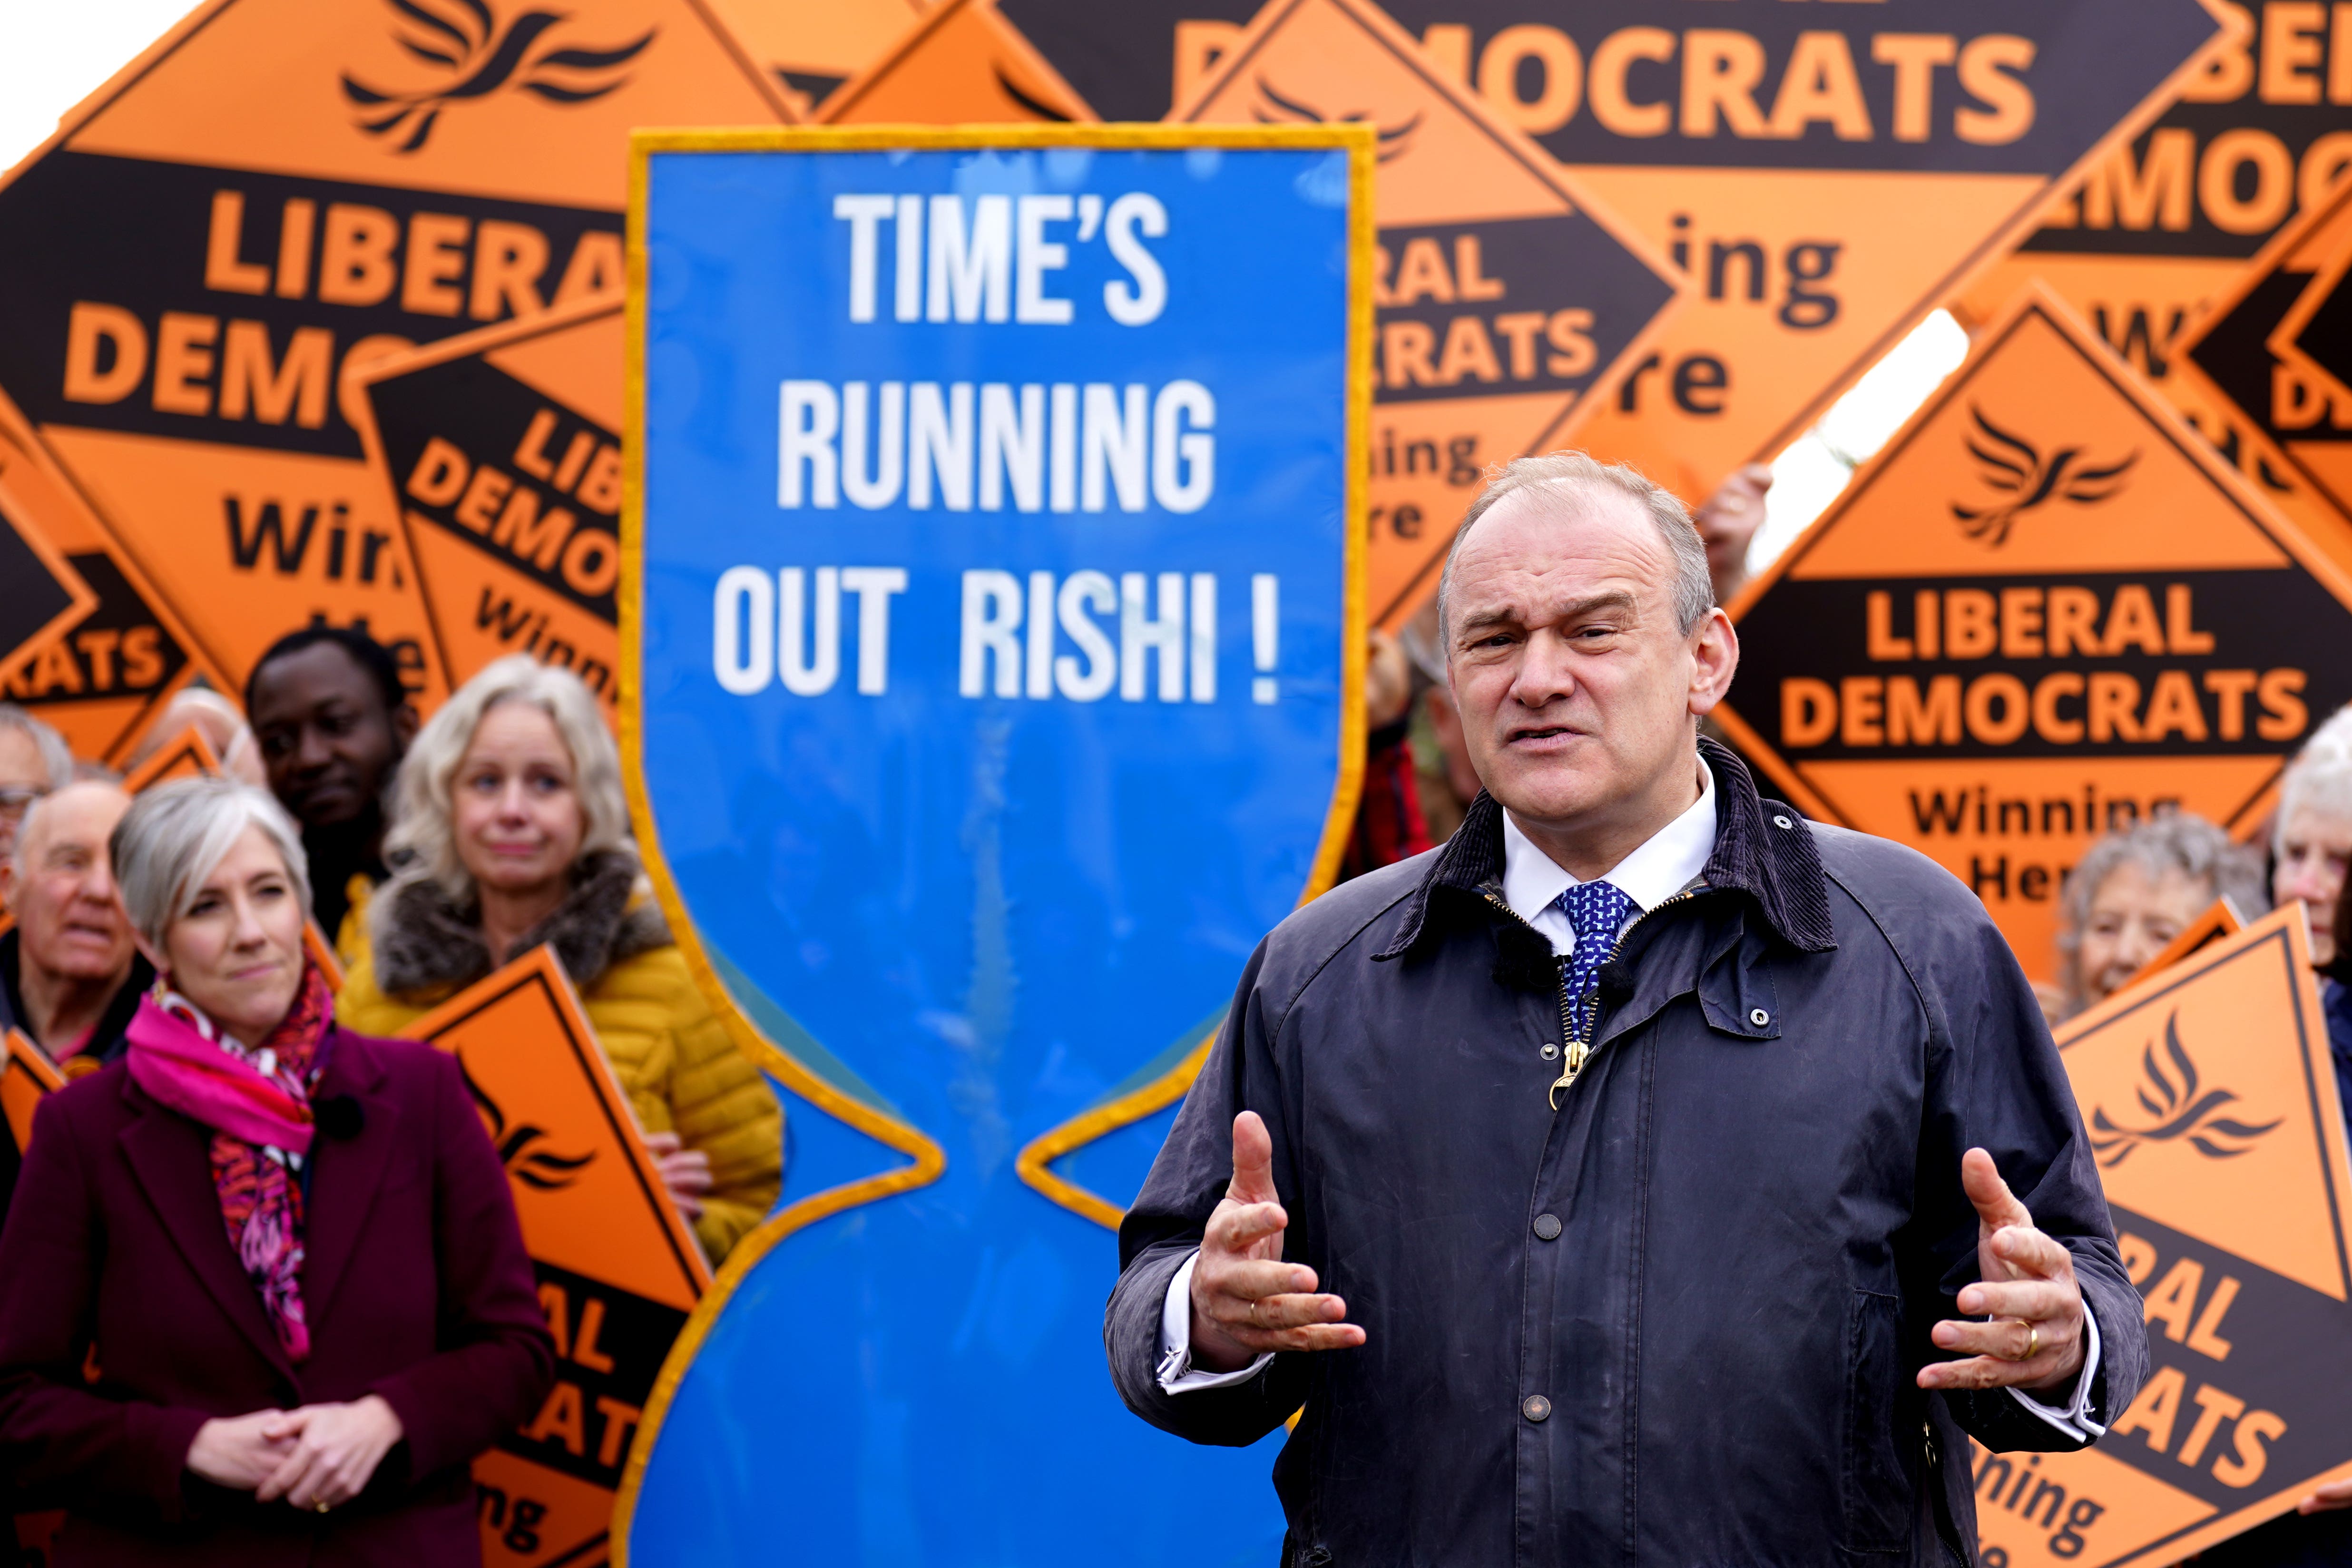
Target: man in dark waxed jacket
{"x":1647,"y":1176}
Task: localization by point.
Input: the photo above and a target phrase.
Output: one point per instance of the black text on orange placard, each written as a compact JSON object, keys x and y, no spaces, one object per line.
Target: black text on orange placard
{"x":2209,"y":1099}
{"x":2044,"y":612}
{"x":618,"y":1270}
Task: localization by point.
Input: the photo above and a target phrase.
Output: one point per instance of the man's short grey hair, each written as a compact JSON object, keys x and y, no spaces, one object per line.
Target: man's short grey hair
{"x":56,"y":757}
{"x":175,"y":834}
{"x":1576,"y":475}
{"x":20,"y":854}
{"x":422,"y":840}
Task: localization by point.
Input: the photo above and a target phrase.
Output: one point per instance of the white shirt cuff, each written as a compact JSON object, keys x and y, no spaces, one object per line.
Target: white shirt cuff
{"x":1176,"y":1374}
{"x":2075,"y":1419}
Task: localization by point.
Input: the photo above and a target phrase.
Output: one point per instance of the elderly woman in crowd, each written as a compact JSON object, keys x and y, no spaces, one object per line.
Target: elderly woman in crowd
{"x":262,"y":1280}
{"x":2313,"y":841}
{"x":511,"y":830}
{"x":2137,"y":890}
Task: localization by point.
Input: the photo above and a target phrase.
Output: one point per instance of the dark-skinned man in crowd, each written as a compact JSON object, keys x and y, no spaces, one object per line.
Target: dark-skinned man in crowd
{"x":334,"y":719}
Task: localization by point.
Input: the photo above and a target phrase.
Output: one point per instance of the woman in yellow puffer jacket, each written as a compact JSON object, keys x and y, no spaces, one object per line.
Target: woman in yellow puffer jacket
{"x":511,"y":830}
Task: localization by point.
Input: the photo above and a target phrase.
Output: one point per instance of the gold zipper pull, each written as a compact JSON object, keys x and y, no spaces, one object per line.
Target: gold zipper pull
{"x":1572,"y":1063}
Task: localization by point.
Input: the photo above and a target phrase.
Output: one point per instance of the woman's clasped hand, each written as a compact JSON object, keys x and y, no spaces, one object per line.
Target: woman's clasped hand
{"x":318,"y":1457}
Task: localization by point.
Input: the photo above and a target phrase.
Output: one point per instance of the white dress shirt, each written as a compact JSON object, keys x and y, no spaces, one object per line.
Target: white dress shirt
{"x":1663,"y":865}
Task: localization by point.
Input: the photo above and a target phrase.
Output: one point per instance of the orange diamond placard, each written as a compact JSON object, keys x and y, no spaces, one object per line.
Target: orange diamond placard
{"x":812,"y":46}
{"x":2046,"y":610}
{"x":2159,"y":229}
{"x":2210,"y":1099}
{"x":1510,"y":303}
{"x":278,"y":191}
{"x":1827,"y":174}
{"x":618,"y":1270}
{"x":99,"y":679}
{"x":500,"y":451}
{"x":962,"y":63}
{"x":2273,"y":353}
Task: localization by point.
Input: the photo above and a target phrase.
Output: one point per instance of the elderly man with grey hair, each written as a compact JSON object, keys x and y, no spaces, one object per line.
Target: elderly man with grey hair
{"x":34,"y":760}
{"x":1646,"y":1176}
{"x":70,"y":975}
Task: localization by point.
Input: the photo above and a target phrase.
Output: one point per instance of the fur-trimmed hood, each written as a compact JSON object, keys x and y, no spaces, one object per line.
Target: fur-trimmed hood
{"x":424,"y":943}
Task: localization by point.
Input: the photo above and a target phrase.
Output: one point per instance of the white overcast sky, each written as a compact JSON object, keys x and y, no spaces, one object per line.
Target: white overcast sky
{"x":54,"y":52}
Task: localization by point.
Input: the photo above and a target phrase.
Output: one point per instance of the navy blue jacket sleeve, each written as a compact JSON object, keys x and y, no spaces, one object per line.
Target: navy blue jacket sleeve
{"x":1165,"y":1224}
{"x":1995,"y":1082}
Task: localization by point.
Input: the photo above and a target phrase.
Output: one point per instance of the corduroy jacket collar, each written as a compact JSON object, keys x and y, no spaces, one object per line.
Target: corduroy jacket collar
{"x":1776,"y":867}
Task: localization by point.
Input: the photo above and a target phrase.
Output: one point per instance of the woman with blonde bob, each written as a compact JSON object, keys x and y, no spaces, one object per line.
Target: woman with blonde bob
{"x":511,"y":830}
{"x":261,"y":1280}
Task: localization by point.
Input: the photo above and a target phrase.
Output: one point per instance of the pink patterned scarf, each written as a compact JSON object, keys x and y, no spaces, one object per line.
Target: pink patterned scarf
{"x":258,"y":1107}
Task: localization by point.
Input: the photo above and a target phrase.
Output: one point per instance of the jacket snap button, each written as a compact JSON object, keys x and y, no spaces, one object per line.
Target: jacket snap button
{"x":1760,"y":1017}
{"x":1782,"y":822}
{"x":1548,"y":1227}
{"x":1536,"y":1407}
{"x":1549,"y":1051}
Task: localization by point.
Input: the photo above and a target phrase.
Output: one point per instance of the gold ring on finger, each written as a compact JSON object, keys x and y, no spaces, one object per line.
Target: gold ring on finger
{"x":322,"y":1505}
{"x":1256,"y":1302}
{"x":2033,"y":1339}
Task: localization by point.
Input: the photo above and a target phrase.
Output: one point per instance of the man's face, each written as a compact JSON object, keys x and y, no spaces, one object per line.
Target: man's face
{"x":1576,"y":689}
{"x":71,"y":923}
{"x":326,"y":738}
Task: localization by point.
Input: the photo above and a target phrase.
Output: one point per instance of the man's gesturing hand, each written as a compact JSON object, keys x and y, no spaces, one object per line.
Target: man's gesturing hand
{"x":2026,"y":1286}
{"x":1245,"y":1300}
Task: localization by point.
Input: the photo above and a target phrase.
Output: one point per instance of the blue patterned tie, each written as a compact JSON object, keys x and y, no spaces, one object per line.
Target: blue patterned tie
{"x":1596,"y":911}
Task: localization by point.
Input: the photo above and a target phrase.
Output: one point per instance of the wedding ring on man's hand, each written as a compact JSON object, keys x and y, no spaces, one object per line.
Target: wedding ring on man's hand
{"x":322,"y":1505}
{"x":2032,"y":1340}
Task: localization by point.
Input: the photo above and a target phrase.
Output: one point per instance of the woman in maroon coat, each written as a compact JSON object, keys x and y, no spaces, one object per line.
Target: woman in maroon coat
{"x":262,"y":1294}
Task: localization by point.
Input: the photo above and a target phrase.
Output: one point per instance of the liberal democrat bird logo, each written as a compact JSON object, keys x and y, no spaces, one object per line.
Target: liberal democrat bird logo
{"x":2015,"y":467}
{"x":2177,"y":1109}
{"x":1390,"y":141}
{"x":541,"y":1170}
{"x":465,"y":43}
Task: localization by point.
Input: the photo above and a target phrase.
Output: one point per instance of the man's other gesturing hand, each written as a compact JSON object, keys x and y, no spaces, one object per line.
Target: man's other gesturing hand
{"x":1245,"y":1300}
{"x":2026,"y":1286}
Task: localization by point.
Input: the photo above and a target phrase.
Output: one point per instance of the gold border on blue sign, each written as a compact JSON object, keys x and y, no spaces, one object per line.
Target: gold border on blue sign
{"x":928,"y":1159}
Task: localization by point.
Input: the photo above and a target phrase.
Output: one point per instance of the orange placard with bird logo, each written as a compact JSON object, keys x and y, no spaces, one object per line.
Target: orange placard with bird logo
{"x":2210,"y":1099}
{"x":2162,"y":227}
{"x":2046,"y":611}
{"x":278,"y":191}
{"x":618,"y":1269}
